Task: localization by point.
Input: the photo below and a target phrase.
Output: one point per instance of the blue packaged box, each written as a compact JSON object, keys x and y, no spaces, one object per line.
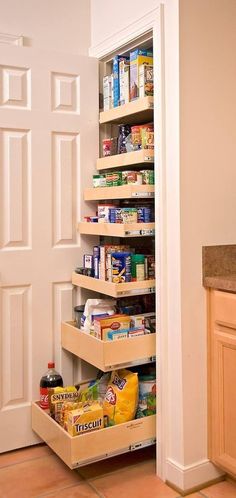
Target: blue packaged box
{"x":121,"y":267}
{"x":116,"y":78}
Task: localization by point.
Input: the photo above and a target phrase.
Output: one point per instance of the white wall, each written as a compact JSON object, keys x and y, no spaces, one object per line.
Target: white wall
{"x":108,"y":17}
{"x":50,"y":24}
{"x":208,"y":183}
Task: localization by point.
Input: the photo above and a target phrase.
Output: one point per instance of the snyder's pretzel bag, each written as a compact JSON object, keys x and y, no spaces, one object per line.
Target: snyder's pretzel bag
{"x":121,"y":398}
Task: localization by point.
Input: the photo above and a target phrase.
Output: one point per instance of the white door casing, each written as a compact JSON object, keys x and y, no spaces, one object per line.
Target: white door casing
{"x":49,"y":143}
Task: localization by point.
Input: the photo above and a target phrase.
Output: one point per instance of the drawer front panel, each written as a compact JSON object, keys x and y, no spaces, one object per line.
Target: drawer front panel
{"x":224,"y":308}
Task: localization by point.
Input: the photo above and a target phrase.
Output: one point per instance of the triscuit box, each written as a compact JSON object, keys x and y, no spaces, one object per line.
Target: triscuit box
{"x":145,"y":80}
{"x":89,"y":417}
{"x":104,"y":325}
{"x":137,"y":58}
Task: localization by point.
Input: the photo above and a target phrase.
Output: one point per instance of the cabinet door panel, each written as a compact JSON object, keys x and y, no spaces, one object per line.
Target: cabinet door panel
{"x":223,"y":409}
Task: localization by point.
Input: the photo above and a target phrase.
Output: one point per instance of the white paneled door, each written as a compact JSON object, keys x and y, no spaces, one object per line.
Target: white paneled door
{"x":48,"y":147}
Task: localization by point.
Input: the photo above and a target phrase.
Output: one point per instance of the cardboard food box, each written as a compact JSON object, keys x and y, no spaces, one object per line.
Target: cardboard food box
{"x":137,"y":58}
{"x":116,"y":78}
{"x":108,"y":92}
{"x":145,"y":80}
{"x":115,"y":322}
{"x":88,"y":417}
{"x":124,"y":82}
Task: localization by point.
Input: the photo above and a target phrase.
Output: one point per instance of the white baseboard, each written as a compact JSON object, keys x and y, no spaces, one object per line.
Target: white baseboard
{"x":186,"y":477}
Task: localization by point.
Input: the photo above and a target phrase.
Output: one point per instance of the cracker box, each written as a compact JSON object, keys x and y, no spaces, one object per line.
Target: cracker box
{"x":137,"y":58}
{"x":116,"y":79}
{"x":145,"y":80}
{"x":88,"y":417}
{"x":124,"y":82}
{"x":115,"y":322}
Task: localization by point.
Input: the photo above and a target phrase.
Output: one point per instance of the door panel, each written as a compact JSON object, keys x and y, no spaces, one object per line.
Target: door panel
{"x":48,"y":148}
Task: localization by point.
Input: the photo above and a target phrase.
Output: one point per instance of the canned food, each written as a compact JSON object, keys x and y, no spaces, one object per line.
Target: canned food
{"x":135,"y":177}
{"x":147,"y":176}
{"x":114,"y":179}
{"x":99,"y":181}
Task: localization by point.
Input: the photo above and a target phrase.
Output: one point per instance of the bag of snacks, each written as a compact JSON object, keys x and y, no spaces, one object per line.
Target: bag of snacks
{"x":121,"y":398}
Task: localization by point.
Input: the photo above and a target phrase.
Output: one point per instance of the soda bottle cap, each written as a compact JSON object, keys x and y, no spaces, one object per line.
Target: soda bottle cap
{"x":51,"y":364}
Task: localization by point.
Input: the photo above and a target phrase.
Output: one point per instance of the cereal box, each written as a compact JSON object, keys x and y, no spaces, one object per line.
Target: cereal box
{"x":124,"y":82}
{"x":137,"y":58}
{"x":145,"y":80}
{"x":116,"y":78}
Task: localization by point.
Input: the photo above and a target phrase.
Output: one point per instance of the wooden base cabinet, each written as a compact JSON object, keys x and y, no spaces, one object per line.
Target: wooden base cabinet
{"x":222,"y":379}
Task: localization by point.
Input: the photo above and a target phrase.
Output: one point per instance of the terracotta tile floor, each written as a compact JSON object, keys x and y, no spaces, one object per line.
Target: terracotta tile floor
{"x":38,"y":472}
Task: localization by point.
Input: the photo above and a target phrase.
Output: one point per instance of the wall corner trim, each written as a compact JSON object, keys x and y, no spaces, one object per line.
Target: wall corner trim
{"x":188,"y":477}
{"x":8,"y":39}
{"x":120,"y":38}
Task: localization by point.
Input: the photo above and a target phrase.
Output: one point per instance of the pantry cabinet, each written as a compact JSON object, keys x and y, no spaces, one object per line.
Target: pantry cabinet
{"x":124,"y":353}
{"x":222,"y":379}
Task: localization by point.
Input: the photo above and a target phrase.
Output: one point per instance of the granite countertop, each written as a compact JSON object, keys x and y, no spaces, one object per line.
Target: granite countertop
{"x":219,"y":267}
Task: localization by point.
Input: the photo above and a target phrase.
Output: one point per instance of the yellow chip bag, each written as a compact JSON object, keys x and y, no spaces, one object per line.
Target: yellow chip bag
{"x":121,"y":398}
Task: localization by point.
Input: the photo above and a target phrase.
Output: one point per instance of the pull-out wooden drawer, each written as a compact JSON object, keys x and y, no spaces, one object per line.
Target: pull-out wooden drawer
{"x":97,"y":445}
{"x":108,"y":355}
{"x":223,"y":305}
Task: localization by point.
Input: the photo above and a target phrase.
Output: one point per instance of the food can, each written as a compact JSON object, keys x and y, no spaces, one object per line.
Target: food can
{"x":106,"y":147}
{"x":147,"y":176}
{"x":124,"y":177}
{"x":135,"y":177}
{"x":147,"y":395}
{"x":99,"y":181}
{"x":114,"y":179}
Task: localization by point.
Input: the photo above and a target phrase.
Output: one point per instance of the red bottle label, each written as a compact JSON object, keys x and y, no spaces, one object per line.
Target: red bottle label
{"x":43,"y":402}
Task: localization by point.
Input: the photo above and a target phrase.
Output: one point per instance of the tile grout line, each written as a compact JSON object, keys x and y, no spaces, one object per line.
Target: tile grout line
{"x":96,"y":491}
{"x":25,"y":461}
{"x":53,"y":491}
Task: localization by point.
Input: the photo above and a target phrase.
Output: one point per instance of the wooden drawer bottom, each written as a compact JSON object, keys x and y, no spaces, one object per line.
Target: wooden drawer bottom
{"x":93,"y":446}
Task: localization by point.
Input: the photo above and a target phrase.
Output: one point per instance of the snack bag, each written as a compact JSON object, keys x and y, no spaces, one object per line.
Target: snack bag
{"x":121,"y":399}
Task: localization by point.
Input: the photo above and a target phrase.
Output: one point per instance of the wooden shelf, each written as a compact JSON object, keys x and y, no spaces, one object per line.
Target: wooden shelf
{"x":122,"y":192}
{"x":96,"y":445}
{"x":108,"y":355}
{"x":137,"y":111}
{"x":117,"y":229}
{"x":143,"y":156}
{"x":111,"y":289}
